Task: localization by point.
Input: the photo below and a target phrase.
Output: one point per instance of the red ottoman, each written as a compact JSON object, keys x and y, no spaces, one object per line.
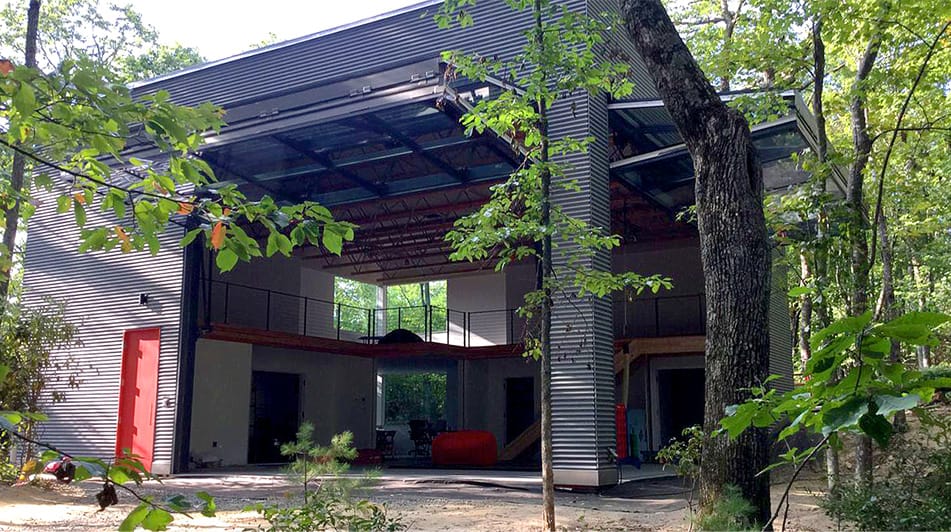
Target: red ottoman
{"x":465,"y":448}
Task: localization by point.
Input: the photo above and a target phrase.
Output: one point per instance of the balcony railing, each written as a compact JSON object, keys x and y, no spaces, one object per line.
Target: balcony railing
{"x":646,"y":317}
{"x":272,"y":310}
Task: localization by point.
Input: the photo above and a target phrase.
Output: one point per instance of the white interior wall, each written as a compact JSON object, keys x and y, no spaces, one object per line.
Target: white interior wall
{"x":220,"y":407}
{"x":338,"y":391}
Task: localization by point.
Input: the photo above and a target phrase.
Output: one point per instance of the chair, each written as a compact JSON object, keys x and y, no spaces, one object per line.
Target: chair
{"x":421,"y":434}
{"x":384,"y":442}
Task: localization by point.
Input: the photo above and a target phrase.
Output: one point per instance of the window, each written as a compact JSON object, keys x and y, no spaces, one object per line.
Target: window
{"x":355,"y":300}
{"x":407,"y":305}
{"x":408,"y":396}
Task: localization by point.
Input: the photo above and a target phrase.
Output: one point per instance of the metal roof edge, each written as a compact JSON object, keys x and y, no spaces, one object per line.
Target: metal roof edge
{"x":285,"y":44}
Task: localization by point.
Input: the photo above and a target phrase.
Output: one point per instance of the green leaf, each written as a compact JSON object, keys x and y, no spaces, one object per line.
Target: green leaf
{"x":272,"y":244}
{"x":25,"y":100}
{"x":333,"y":241}
{"x":851,"y":325}
{"x":845,"y":415}
{"x":208,"y":509}
{"x":888,"y":404}
{"x":226,"y":259}
{"x":135,"y":517}
{"x":189,"y":237}
{"x":118,"y":475}
{"x":157,"y":519}
{"x":63,"y":204}
{"x":876,"y":426}
{"x":4,"y":371}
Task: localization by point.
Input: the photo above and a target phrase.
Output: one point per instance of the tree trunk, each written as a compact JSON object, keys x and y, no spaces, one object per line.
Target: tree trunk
{"x":805,"y":313}
{"x":887,"y":308}
{"x":822,"y":151}
{"x":548,"y":480}
{"x":734,"y":249}
{"x":18,"y":168}
{"x":923,"y":352}
{"x":858,"y":243}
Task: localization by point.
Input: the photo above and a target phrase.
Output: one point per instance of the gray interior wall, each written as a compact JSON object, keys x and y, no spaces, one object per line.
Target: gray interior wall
{"x":483,"y":400}
{"x":101,"y":291}
{"x":475,"y":293}
{"x":338,"y":391}
{"x":678,"y":309}
{"x":220,"y":409}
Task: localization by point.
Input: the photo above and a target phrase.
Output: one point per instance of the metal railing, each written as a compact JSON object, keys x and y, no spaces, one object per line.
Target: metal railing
{"x":652,"y":317}
{"x":272,"y":310}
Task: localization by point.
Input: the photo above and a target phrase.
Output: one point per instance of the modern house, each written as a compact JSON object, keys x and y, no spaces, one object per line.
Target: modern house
{"x":180,"y":362}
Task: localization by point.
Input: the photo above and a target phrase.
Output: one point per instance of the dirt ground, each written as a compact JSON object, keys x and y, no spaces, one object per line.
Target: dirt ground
{"x":423,"y":505}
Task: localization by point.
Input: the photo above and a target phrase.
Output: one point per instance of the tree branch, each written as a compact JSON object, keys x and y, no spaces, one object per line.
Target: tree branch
{"x":891,"y":144}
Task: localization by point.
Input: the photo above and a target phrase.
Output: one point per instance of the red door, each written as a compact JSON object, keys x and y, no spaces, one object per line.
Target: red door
{"x":138,"y":394}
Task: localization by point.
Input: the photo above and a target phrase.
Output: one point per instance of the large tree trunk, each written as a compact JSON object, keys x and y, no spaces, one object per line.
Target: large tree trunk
{"x":18,"y":168}
{"x":734,"y":248}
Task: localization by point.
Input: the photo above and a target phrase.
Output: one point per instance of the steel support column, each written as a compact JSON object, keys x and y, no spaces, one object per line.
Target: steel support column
{"x":582,"y":333}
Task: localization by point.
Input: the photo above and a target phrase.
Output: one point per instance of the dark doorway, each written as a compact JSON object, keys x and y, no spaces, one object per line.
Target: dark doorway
{"x":519,"y":406}
{"x":680,"y":401}
{"x":275,"y":415}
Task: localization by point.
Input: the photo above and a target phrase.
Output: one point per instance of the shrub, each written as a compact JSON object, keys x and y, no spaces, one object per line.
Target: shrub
{"x":332,"y":504}
{"x":911,"y":492}
{"x":729,"y":512}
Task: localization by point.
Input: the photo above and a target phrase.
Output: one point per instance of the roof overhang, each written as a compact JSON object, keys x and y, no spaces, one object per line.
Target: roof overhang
{"x":664,"y":171}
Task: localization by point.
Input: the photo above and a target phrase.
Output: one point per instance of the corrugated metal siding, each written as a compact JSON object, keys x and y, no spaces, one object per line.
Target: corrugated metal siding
{"x":363,"y":48}
{"x":582,"y":336}
{"x":780,"y":335}
{"x":101,"y":291}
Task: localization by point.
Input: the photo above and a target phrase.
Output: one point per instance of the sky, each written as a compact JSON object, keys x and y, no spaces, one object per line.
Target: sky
{"x":221,"y":28}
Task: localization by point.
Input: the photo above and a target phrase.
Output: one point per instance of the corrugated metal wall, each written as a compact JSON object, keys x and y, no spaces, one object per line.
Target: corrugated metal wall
{"x":780,"y":334}
{"x":582,"y":330}
{"x":340,"y":54}
{"x":101,"y":291}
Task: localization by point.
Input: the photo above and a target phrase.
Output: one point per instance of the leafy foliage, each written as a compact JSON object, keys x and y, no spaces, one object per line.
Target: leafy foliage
{"x":683,"y":455}
{"x":410,"y":396}
{"x":72,"y":121}
{"x":559,"y":60}
{"x":871,"y":390}
{"x":730,"y":511}
{"x":913,"y":491}
{"x":26,"y":342}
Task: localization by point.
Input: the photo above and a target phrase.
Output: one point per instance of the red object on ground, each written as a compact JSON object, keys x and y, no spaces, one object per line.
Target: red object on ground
{"x":620,"y":421}
{"x":368,"y":457}
{"x":465,"y":448}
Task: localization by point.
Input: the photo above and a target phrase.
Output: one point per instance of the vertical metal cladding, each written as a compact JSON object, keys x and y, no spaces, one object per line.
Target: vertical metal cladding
{"x":582,"y":334}
{"x":101,"y":291}
{"x":780,"y":333}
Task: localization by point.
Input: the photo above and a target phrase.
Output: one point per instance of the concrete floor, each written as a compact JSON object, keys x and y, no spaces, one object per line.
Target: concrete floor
{"x":529,"y":480}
